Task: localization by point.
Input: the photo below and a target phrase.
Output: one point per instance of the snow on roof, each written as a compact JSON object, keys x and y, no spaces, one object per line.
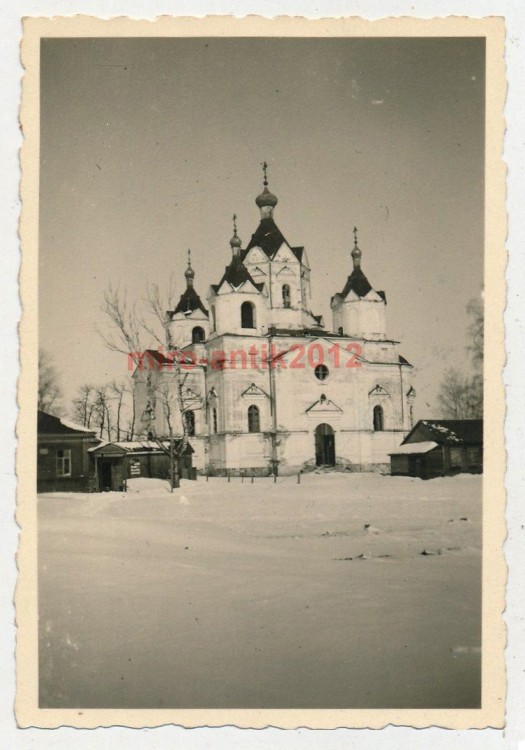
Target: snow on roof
{"x":137,"y":445}
{"x":75,"y":426}
{"x":408,"y":448}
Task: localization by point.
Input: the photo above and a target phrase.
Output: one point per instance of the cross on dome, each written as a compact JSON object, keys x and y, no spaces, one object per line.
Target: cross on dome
{"x":356,"y":252}
{"x":189,"y":272}
{"x":266,"y":200}
{"x":235,"y":241}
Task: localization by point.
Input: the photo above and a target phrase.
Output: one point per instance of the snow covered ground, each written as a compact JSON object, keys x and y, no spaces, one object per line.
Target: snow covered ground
{"x":267,"y":595}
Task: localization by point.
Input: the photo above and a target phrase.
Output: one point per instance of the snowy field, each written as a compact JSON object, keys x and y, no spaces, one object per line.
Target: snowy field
{"x":267,"y":595}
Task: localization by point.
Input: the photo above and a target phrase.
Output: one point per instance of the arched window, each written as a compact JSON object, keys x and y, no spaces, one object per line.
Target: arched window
{"x":189,"y":416}
{"x":378,"y":419}
{"x":286,"y":296}
{"x":197,"y":335}
{"x":340,"y":330}
{"x":214,"y":420}
{"x":248,"y":315}
{"x":254,"y":419}
{"x":213,"y":319}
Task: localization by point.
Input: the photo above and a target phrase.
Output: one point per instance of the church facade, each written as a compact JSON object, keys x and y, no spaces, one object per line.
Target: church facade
{"x":262,"y":384}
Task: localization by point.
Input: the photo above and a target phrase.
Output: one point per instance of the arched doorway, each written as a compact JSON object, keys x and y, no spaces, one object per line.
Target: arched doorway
{"x":324,"y":445}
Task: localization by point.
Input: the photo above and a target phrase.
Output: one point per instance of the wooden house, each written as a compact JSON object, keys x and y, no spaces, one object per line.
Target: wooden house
{"x":440,"y":447}
{"x":63,"y":460}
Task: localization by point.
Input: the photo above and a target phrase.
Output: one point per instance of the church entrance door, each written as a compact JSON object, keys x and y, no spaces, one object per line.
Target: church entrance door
{"x":324,"y":445}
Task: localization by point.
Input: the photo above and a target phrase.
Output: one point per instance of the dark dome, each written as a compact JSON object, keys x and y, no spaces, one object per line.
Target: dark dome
{"x":266,"y":199}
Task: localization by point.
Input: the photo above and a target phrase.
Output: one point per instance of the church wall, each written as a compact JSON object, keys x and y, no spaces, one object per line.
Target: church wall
{"x":360,"y":317}
{"x":228,"y":311}
{"x":181,"y":327}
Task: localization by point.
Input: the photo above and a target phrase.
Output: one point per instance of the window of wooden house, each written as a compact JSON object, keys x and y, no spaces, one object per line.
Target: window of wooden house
{"x":64,"y":462}
{"x":254,"y":419}
{"x":456,"y":458}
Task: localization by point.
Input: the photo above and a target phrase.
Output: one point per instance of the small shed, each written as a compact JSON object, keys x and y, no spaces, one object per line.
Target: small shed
{"x":440,"y":447}
{"x":114,"y":463}
{"x":63,"y":454}
{"x":109,"y":467}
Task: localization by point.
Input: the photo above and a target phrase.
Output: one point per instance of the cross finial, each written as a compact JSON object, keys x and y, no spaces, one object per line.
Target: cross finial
{"x":235,"y":224}
{"x":265,"y":167}
{"x":189,"y":257}
{"x":355,"y":236}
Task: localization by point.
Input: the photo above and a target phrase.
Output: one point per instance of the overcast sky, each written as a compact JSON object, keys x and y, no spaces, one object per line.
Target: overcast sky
{"x":148,"y":146}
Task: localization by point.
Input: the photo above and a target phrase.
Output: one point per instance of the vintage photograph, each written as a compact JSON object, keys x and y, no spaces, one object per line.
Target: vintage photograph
{"x":260,"y":411}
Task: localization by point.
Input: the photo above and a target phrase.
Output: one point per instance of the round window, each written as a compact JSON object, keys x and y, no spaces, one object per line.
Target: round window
{"x":321,"y":372}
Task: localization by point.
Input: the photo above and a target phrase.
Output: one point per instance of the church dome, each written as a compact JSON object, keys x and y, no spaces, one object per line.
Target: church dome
{"x":189,"y":273}
{"x":356,"y":253}
{"x":235,"y":241}
{"x":266,"y":199}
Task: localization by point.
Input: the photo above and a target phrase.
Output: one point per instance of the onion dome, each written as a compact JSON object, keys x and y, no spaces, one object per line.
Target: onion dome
{"x":189,"y":273}
{"x":266,"y":198}
{"x":235,"y":241}
{"x":356,"y":252}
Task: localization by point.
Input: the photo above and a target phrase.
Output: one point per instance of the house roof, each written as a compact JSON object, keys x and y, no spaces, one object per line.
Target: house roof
{"x":123,"y":447}
{"x":448,"y":431}
{"x":189,"y":301}
{"x":48,"y":424}
{"x":411,"y":448}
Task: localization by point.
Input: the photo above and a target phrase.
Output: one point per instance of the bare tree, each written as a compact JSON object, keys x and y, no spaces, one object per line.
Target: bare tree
{"x":84,"y":405}
{"x":49,"y":391}
{"x":117,"y":392}
{"x":101,"y":411}
{"x":459,"y":396}
{"x":476,"y":332}
{"x":126,"y":335}
{"x":157,"y":304}
{"x":130,"y":328}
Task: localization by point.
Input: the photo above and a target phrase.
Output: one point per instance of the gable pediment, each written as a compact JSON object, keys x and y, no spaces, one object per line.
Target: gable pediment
{"x":324,"y":405}
{"x":257,"y":271}
{"x":285,"y":271}
{"x":378,"y":390}
{"x":191,"y":398}
{"x":253,"y":391}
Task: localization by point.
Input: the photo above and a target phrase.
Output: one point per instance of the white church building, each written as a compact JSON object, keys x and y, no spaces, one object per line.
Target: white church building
{"x":265,"y":386}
